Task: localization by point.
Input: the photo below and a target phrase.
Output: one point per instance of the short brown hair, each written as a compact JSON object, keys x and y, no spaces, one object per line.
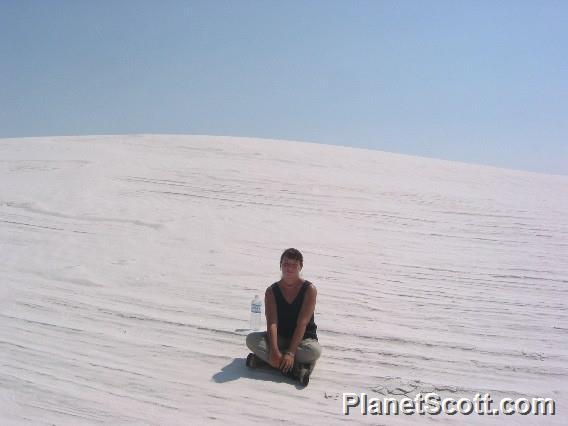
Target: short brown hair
{"x":293,"y":254}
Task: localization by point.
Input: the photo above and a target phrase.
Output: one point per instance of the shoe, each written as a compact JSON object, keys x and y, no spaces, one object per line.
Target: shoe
{"x":303,"y":373}
{"x":289,"y":374}
{"x":254,"y":361}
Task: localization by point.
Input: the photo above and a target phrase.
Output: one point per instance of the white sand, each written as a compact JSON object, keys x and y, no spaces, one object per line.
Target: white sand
{"x":128,"y":264}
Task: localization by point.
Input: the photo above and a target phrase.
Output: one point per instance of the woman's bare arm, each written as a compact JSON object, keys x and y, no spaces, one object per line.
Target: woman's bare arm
{"x":272,"y":327}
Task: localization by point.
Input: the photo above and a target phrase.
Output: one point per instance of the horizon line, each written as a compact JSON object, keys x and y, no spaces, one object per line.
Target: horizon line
{"x":292,"y":140}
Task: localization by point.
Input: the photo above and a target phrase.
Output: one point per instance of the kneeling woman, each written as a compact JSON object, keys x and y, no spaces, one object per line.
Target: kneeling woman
{"x":290,"y":341}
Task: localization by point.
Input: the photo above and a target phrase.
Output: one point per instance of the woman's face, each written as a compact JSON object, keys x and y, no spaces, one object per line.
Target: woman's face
{"x":290,"y":267}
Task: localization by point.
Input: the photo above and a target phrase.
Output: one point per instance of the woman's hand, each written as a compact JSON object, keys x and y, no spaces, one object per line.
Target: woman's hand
{"x":287,"y":362}
{"x":275,"y":358}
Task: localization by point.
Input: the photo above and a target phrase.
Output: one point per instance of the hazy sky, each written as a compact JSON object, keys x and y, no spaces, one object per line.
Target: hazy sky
{"x":476,"y":81}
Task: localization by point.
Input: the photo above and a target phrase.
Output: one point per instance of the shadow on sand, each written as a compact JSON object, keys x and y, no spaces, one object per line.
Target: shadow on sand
{"x":237,"y":368}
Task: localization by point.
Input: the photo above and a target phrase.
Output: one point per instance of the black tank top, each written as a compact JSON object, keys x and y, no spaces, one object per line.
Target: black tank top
{"x":288,"y":313}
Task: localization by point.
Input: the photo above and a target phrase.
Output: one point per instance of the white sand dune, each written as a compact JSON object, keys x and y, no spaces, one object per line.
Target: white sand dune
{"x":129,"y":262}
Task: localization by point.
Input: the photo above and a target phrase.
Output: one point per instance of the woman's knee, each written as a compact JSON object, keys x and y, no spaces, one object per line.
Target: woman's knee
{"x":315,"y":349}
{"x":254,"y":339}
{"x":310,"y":350}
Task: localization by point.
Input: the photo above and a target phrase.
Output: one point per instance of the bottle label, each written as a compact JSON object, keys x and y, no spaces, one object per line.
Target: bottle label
{"x":254,"y":308}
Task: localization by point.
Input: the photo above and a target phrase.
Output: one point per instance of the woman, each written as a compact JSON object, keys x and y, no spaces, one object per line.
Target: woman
{"x":290,"y":342}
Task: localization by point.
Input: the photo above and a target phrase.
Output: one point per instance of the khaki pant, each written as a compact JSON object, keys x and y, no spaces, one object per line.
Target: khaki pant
{"x":309,"y":350}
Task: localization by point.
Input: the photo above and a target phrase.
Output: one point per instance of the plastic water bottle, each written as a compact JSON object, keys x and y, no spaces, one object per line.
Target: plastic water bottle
{"x":255,"y":313}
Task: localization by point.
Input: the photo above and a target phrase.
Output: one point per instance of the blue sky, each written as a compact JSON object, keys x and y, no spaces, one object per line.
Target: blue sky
{"x":475,"y":81}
